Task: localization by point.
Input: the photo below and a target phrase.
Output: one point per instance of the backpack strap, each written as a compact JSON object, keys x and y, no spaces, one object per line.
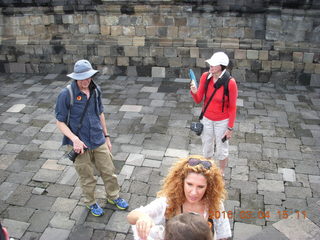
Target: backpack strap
{"x":226,"y":79}
{"x":71,"y":102}
{"x":69,"y":87}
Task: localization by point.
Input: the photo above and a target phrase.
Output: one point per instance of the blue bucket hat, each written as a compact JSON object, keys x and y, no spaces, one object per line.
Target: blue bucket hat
{"x":82,"y":70}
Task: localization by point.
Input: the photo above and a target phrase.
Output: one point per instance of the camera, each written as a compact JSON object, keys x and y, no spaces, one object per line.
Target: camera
{"x":72,"y":155}
{"x":197,"y":127}
{"x":224,"y":138}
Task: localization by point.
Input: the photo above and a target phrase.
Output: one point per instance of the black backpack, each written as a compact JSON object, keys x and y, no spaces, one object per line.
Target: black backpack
{"x":222,"y":81}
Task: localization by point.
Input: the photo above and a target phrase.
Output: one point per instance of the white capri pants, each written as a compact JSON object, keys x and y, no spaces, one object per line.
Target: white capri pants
{"x":213,"y":132}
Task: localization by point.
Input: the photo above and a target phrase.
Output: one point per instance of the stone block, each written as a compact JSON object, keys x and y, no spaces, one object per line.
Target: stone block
{"x":315,"y":80}
{"x":288,"y":174}
{"x":158,"y":72}
{"x":298,"y":228}
{"x":244,"y":231}
{"x":15,"y":228}
{"x":55,"y":233}
{"x":270,"y":185}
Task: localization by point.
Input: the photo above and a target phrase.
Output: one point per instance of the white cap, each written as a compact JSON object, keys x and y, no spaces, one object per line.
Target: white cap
{"x":218,"y":58}
{"x":82,"y":70}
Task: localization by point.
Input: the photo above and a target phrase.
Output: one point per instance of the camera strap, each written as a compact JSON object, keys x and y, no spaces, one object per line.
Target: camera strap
{"x":205,"y":108}
{"x":84,"y":112}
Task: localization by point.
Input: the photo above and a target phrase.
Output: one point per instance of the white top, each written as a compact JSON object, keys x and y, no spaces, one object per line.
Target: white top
{"x":157,"y":208}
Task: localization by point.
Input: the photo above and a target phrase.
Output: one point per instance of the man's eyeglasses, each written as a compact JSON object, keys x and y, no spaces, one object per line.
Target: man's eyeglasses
{"x":194,"y":162}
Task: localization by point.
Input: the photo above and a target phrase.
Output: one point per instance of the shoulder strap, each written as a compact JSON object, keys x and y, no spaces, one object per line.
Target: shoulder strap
{"x":226,"y":79}
{"x":205,"y":108}
{"x":71,"y":102}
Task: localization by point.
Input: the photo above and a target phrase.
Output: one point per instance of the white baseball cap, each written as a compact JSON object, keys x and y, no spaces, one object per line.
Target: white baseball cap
{"x":218,"y":58}
{"x":82,"y":70}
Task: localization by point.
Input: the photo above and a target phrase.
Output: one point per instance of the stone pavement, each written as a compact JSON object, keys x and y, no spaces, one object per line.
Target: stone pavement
{"x":273,"y":171}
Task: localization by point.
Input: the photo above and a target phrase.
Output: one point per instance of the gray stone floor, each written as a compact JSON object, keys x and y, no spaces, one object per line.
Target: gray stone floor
{"x":273,"y":171}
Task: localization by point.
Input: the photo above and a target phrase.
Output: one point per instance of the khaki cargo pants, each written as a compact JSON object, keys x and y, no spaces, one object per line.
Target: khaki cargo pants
{"x":84,"y":164}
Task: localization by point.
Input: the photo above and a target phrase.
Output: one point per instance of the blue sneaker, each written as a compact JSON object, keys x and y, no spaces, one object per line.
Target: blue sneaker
{"x":96,"y":210}
{"x":120,"y":203}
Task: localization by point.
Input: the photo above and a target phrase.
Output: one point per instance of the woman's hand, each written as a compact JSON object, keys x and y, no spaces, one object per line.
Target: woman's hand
{"x":193,"y":87}
{"x":143,"y":226}
{"x":228,"y":133}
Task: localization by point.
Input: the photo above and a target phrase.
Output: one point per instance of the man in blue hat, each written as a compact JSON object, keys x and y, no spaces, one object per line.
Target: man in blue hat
{"x":80,"y":117}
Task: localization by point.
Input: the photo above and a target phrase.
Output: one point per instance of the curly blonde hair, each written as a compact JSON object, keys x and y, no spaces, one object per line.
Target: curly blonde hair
{"x":173,"y":185}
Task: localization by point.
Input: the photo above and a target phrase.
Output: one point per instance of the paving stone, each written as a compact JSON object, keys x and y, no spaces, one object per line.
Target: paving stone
{"x":15,"y":228}
{"x":244,"y":231}
{"x":38,"y":191}
{"x":102,"y":234}
{"x":127,"y":171}
{"x":55,"y":233}
{"x":135,"y":159}
{"x":46,"y":175}
{"x":40,"y":220}
{"x":139,"y":188}
{"x":20,"y":178}
{"x":288,"y":174}
{"x":274,"y":198}
{"x":59,"y":190}
{"x":244,"y":186}
{"x":297,"y":192}
{"x":31,"y":236}
{"x":40,"y":202}
{"x":117,"y":224}
{"x":69,"y":176}
{"x":18,"y":213}
{"x":79,"y":214}
{"x":64,"y":205}
{"x":53,"y":165}
{"x":6,"y":160}
{"x":20,"y":195}
{"x":130,"y":108}
{"x":172,"y":152}
{"x":153,"y":154}
{"x":297,"y":204}
{"x":81,"y":233}
{"x":268,"y":233}
{"x":151,"y":163}
{"x":270,"y":185}
{"x":61,"y":220}
{"x":16,"y":108}
{"x":298,"y":228}
{"x":6,"y":189}
{"x":240,"y":173}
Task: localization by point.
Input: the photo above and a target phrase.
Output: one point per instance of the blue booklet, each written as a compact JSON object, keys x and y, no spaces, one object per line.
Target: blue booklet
{"x":193,"y":77}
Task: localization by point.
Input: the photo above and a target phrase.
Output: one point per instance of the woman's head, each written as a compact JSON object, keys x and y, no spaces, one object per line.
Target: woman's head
{"x":218,"y":62}
{"x":193,"y":179}
{"x":187,"y":226}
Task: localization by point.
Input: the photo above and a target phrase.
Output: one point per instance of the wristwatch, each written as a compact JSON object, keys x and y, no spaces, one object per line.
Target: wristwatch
{"x":230,"y":129}
{"x":107,"y":136}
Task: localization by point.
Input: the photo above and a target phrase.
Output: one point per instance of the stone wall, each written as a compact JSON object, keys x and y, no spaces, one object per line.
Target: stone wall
{"x":265,"y":40}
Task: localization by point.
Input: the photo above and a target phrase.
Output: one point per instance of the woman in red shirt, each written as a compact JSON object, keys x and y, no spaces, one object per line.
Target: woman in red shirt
{"x":220,"y":115}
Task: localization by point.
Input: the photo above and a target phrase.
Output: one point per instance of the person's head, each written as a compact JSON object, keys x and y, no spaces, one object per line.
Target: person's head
{"x":192,"y":180}
{"x":82,"y":72}
{"x":218,"y":62}
{"x":189,"y":226}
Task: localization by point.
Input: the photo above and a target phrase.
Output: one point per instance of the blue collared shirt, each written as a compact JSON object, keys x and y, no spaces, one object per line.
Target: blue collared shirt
{"x":91,"y":132}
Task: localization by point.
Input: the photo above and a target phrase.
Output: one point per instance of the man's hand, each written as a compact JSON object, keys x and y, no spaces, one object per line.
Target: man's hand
{"x":78,"y":145}
{"x":108,"y":142}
